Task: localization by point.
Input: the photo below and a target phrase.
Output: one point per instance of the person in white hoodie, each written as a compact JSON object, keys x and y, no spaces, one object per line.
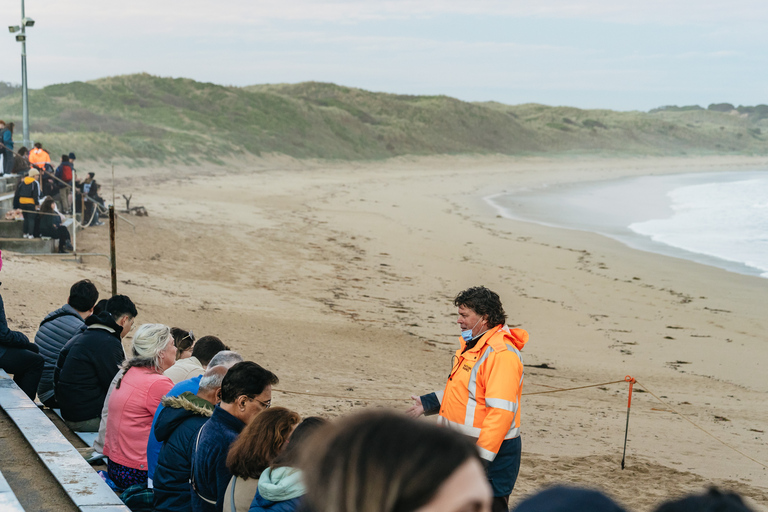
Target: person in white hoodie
{"x":281,"y":486}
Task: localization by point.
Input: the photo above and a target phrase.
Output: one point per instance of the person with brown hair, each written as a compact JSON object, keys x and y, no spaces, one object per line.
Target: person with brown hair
{"x":253,"y":451}
{"x":50,"y":225}
{"x":281,"y":485}
{"x":184,"y":341}
{"x":387,"y":462}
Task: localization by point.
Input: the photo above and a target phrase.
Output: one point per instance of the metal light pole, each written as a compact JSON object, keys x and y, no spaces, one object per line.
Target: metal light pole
{"x":22,"y":38}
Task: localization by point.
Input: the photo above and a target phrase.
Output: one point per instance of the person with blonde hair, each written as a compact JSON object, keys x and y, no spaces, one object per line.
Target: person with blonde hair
{"x":253,"y":451}
{"x":132,"y":404}
{"x":387,"y":462}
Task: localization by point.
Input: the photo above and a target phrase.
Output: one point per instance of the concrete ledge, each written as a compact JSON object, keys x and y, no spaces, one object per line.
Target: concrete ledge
{"x":8,"y":500}
{"x":81,"y":483}
{"x":28,"y":246}
{"x":11,"y":228}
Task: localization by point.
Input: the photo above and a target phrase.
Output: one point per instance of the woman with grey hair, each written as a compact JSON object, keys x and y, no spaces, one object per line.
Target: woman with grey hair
{"x":132,"y":404}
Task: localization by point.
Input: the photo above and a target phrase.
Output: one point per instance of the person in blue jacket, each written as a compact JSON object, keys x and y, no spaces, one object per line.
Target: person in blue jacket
{"x":245,"y":392}
{"x":57,"y":328}
{"x":177,"y":427}
{"x":281,"y":486}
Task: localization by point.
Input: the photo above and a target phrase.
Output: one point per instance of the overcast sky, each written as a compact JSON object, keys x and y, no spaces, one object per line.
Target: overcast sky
{"x":616,"y":54}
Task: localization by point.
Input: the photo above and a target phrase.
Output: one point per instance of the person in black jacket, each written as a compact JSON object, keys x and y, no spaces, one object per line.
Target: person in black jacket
{"x":27,"y":198}
{"x":89,"y":362}
{"x":18,"y":356}
{"x":177,"y":426}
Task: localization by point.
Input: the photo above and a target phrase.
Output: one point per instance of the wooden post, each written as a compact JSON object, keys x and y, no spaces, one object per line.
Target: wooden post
{"x":112,"y":253}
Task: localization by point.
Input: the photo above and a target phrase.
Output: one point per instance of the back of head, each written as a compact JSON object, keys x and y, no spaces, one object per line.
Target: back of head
{"x":65,"y":158}
{"x":38,"y":145}
{"x":120,"y":305}
{"x":291,"y":455}
{"x":212,"y":378}
{"x":148,"y":342}
{"x":207,"y":347}
{"x":568,"y":499}
{"x":712,"y":501}
{"x":260,"y":442}
{"x":22,"y":151}
{"x":83,"y":295}
{"x":246,"y":378}
{"x":182,"y":339}
{"x":225,"y":358}
{"x":100,"y":306}
{"x":47,"y":207}
{"x":380,"y":462}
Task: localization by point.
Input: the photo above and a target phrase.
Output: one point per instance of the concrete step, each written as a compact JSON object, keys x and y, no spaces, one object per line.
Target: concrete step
{"x":11,"y":228}
{"x":8,"y":183}
{"x":28,"y":246}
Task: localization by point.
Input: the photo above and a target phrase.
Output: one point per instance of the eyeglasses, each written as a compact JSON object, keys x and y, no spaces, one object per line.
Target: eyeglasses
{"x":191,"y":336}
{"x":266,"y":404}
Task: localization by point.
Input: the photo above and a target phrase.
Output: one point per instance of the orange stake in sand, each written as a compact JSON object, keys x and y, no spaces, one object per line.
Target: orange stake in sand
{"x":629,"y":404}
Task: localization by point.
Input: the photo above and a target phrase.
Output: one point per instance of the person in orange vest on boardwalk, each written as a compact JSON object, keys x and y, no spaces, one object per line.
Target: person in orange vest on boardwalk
{"x":38,"y":157}
{"x":482,"y":396}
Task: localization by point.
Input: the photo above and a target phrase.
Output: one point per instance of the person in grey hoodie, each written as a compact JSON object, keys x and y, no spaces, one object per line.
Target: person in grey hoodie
{"x":281,"y":487}
{"x":57,"y":328}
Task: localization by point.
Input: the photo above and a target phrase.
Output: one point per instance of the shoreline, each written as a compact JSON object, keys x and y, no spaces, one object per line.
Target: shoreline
{"x":610,"y":207}
{"x":340,"y":278}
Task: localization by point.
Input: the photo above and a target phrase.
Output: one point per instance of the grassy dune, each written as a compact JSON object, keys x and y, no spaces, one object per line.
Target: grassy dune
{"x":137,"y":117}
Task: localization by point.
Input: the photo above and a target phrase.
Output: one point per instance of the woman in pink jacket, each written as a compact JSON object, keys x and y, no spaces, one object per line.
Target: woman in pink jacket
{"x":133,"y":403}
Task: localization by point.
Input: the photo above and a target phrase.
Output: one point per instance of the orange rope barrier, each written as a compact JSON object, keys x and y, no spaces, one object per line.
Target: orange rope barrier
{"x":407,"y":399}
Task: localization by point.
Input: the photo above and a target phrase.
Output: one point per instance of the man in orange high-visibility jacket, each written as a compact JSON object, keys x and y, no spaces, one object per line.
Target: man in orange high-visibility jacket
{"x":38,"y":157}
{"x":482,"y":396}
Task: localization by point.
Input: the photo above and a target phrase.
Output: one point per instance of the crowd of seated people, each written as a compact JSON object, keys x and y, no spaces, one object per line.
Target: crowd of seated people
{"x":213,"y":442}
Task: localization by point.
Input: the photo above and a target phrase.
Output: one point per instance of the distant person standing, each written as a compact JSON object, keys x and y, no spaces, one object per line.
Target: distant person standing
{"x":6,"y":139}
{"x":21,"y":161}
{"x":482,"y":396}
{"x":65,"y":172}
{"x":27,"y":198}
{"x":39,"y":157}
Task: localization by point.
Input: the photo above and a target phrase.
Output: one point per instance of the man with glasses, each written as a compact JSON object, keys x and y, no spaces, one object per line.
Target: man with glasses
{"x":245,"y":392}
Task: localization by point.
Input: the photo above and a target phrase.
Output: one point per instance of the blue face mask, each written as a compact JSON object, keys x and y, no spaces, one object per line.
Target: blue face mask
{"x":467,"y":335}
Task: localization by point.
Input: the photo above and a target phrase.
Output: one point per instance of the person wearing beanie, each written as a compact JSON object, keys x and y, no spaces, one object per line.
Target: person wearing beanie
{"x":27,"y":198}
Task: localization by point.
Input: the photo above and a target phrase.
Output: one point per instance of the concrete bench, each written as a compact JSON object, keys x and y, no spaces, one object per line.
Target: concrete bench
{"x":8,"y":500}
{"x":82,"y":484}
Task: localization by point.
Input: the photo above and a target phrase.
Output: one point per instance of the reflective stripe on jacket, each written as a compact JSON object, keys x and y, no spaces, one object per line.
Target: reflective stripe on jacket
{"x":39,"y":157}
{"x":482,"y":395}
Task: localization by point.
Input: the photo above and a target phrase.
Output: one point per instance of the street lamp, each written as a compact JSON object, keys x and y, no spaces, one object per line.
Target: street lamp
{"x":22,"y":38}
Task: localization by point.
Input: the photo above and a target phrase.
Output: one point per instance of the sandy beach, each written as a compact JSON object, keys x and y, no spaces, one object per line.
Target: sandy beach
{"x":339,"y":277}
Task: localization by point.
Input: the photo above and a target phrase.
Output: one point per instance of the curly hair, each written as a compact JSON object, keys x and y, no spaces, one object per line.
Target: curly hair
{"x":484,"y":302}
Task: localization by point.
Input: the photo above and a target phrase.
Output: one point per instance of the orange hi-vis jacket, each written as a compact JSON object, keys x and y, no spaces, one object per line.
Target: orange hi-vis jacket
{"x":39,"y":157}
{"x":482,"y":395}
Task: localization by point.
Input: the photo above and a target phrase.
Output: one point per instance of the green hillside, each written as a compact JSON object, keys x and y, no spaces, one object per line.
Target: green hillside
{"x":142,"y":116}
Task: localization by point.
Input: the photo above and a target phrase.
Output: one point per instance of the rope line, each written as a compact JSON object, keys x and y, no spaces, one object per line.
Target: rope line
{"x":571,"y":389}
{"x":698,"y":427}
{"x":407,"y":399}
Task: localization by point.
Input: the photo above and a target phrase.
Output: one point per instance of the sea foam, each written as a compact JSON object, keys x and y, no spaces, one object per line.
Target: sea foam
{"x":726,"y":220}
